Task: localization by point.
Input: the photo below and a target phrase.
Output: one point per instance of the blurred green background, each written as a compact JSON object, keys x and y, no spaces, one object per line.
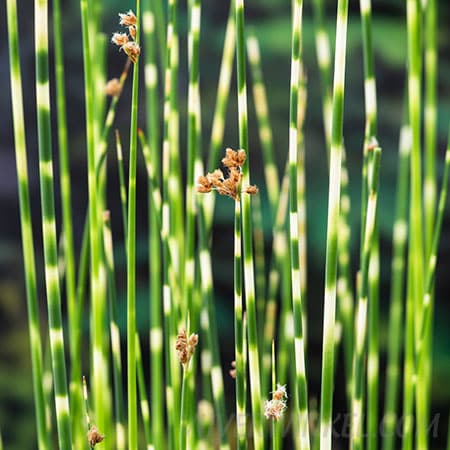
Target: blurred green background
{"x":270,"y":20}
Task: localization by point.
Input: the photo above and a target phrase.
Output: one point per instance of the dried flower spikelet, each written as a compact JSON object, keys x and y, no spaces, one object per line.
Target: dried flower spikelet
{"x":232,"y":371}
{"x":132,"y":50}
{"x":185,"y":346}
{"x":204,"y":185}
{"x":132,"y":31}
{"x":252,"y":190}
{"x":94,"y":437}
{"x":234,"y":158}
{"x":112,"y":87}
{"x":230,"y":188}
{"x":127,"y":19}
{"x":280,"y":393}
{"x":120,"y":39}
{"x":274,"y":409}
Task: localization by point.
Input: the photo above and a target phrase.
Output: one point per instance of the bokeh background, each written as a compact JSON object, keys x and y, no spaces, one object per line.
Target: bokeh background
{"x":270,"y":20}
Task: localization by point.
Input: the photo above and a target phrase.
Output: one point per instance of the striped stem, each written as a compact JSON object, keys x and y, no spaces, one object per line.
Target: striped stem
{"x":255,"y":376}
{"x":416,"y":241}
{"x":361,"y":314}
{"x":122,"y":187}
{"x":344,"y":282}
{"x":240,"y":350}
{"x":370,"y":133}
{"x":143,"y":399}
{"x":425,"y":325}
{"x":151,"y":27}
{"x":115,"y":333}
{"x":400,"y":235}
{"x":26,"y":225}
{"x":98,"y":301}
{"x":209,"y":325}
{"x":192,"y":150}
{"x":264,"y":129}
{"x":326,"y":401}
{"x":49,"y":226}
{"x":324,"y":62}
{"x":219,"y":116}
{"x":430,"y":119}
{"x":131,"y":258}
{"x":299,"y":346}
{"x":69,"y":258}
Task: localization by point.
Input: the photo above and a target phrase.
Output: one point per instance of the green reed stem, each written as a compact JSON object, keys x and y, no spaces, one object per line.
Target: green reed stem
{"x":69,"y":258}
{"x":260,"y":265}
{"x":264,"y":129}
{"x":115,"y":333}
{"x":299,"y":344}
{"x":49,"y":226}
{"x":241,"y":417}
{"x":209,"y":325}
{"x":169,"y":178}
{"x":131,"y":257}
{"x":326,"y":402}
{"x":150,"y":23}
{"x":255,"y":376}
{"x":279,"y":268}
{"x":361,"y":314}
{"x":276,"y":435}
{"x":332,"y":228}
{"x":425,"y":324}
{"x":122,"y":186}
{"x":344,"y":282}
{"x":430,"y":139}
{"x":145,"y":408}
{"x":430,"y":120}
{"x":193,"y":136}
{"x":399,"y":240}
{"x":26,"y":225}
{"x":324,"y":62}
{"x":223,"y":90}
{"x":370,"y":133}
{"x":98,"y":304}
{"x":416,"y":245}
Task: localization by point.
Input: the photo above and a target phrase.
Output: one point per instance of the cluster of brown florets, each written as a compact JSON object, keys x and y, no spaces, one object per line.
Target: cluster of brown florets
{"x":125,"y":41}
{"x":274,"y":409}
{"x":185,"y":346}
{"x":230,"y":185}
{"x":232,"y":371}
{"x":94,"y":436}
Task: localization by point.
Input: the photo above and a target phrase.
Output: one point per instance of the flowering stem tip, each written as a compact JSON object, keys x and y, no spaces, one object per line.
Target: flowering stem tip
{"x":127,"y":42}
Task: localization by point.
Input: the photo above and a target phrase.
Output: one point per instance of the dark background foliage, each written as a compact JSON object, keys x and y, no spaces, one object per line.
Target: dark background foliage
{"x":270,"y":20}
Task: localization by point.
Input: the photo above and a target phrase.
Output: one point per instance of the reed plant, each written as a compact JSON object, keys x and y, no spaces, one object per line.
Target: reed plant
{"x":172,"y":388}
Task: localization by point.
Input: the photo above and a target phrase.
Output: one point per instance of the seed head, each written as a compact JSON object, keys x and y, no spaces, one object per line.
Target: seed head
{"x":234,"y":158}
{"x":127,"y":19}
{"x":120,"y":39}
{"x":132,"y":50}
{"x":113,"y":87}
{"x":94,"y":437}
{"x":274,"y":409}
{"x":232,"y":371}
{"x":185,"y":347}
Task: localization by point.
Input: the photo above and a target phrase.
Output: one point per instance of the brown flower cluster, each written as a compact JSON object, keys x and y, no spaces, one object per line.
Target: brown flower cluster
{"x":229,"y":186}
{"x":113,"y":87}
{"x":94,"y":437}
{"x":274,"y":409}
{"x":125,"y":41}
{"x":232,"y":371}
{"x":185,"y":346}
